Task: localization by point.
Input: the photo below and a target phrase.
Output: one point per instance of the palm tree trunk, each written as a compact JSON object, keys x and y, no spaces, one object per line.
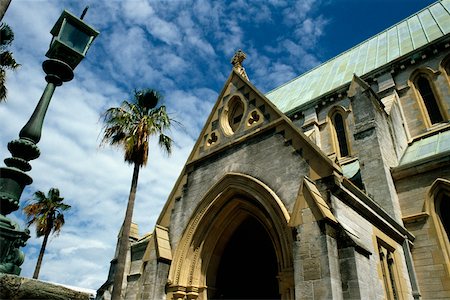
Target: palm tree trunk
{"x":41,"y":256}
{"x":124,"y":238}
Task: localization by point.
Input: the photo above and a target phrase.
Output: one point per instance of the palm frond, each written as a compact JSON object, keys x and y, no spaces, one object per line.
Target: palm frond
{"x":6,"y":35}
{"x":165,"y":142}
{"x":39,"y":196}
{"x":58,"y":223}
{"x":53,"y":194}
{"x":63,"y":206}
{"x":7,"y":60}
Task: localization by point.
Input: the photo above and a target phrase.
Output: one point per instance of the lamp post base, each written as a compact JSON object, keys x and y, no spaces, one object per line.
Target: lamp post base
{"x":11,"y":238}
{"x":13,"y":180}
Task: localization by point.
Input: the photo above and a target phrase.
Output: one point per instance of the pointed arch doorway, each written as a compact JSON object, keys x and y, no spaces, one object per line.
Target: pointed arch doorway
{"x":237,"y":245}
{"x":248,"y":267}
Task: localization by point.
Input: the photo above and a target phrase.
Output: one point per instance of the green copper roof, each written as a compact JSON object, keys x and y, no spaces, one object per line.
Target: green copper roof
{"x":349,"y":170}
{"x":426,"y":147}
{"x":419,"y":29}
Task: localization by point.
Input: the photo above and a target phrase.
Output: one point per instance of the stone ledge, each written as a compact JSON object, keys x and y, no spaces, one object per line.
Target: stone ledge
{"x":16,"y":287}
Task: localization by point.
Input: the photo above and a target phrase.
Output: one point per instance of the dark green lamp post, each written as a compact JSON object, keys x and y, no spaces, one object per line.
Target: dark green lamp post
{"x":71,"y":40}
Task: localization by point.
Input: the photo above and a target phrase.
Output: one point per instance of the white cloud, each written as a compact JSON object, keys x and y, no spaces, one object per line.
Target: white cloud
{"x":137,"y":11}
{"x":310,"y":30}
{"x":299,"y":11}
{"x":163,"y":30}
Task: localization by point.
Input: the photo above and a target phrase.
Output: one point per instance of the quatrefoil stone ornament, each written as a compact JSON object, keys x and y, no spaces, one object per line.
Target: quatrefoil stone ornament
{"x":213,"y":138}
{"x":254,"y":117}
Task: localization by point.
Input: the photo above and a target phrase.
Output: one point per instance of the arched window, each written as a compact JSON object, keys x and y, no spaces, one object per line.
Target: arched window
{"x":232,"y":115}
{"x":443,"y":211}
{"x":340,"y":134}
{"x":445,"y":64}
{"x":437,"y":206}
{"x":426,"y":92}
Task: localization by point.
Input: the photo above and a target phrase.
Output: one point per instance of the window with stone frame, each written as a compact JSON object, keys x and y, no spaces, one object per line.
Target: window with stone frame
{"x":427,"y":95}
{"x":232,"y":115}
{"x":443,"y":211}
{"x":388,"y":270}
{"x":437,"y":206}
{"x":340,"y":134}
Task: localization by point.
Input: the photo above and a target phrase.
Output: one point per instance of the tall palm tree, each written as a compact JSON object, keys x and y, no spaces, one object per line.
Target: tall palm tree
{"x":46,"y":212}
{"x":7,"y":60}
{"x":130,"y":127}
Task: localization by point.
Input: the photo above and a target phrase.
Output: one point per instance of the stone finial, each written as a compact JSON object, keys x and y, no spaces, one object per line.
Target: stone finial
{"x":237,"y":60}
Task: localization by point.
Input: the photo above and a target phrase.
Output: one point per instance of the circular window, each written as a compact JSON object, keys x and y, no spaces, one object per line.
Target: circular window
{"x":232,"y":115}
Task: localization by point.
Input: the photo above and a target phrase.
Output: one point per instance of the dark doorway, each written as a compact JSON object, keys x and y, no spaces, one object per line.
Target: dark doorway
{"x":248,"y":266}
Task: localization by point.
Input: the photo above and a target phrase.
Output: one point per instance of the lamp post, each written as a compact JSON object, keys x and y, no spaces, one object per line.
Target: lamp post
{"x":71,"y":40}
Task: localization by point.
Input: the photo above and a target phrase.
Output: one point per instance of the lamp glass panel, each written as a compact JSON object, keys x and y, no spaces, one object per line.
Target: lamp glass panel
{"x":74,"y":38}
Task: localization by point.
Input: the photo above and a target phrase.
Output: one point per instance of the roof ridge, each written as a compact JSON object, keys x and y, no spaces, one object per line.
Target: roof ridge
{"x":358,"y":45}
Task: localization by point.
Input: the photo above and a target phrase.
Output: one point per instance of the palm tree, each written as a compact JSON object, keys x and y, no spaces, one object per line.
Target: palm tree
{"x":7,"y":60}
{"x":130,"y":127}
{"x":46,"y":212}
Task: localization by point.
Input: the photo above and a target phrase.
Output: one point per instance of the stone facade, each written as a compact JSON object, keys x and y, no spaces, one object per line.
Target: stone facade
{"x":364,"y":220}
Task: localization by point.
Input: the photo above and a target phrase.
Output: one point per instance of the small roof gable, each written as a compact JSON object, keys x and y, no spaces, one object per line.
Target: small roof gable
{"x":406,"y":36}
{"x":310,"y":197}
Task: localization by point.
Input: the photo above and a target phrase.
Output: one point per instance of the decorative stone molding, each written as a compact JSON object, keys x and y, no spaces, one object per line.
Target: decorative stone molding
{"x":236,"y":61}
{"x":420,"y":217}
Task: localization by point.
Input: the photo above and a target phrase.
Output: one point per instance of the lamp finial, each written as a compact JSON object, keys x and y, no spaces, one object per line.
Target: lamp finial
{"x":84,"y":12}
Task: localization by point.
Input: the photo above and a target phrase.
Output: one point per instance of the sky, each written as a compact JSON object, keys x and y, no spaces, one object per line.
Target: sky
{"x":181,"y":48}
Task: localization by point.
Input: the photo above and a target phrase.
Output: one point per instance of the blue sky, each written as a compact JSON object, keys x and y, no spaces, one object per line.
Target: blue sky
{"x":183,"y":49}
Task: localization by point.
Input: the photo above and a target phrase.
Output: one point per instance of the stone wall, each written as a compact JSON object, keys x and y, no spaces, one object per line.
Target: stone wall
{"x":361,"y":278}
{"x":16,"y":287}
{"x":428,"y":254}
{"x":265,"y":157}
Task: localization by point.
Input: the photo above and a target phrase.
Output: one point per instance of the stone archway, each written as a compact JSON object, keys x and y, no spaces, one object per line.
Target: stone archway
{"x":236,"y":200}
{"x":248,"y":266}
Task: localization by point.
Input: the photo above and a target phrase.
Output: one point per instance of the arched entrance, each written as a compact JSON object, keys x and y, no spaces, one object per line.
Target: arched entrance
{"x":237,"y":245}
{"x":248,"y":266}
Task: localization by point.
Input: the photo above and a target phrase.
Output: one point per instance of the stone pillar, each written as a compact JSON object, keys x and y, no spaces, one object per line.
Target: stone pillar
{"x":311,"y":125}
{"x":286,"y":284}
{"x":374,"y":144}
{"x":154,"y":282}
{"x":316,"y":264}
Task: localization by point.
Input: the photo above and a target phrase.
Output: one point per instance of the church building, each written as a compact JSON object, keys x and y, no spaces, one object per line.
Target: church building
{"x":335,"y":185}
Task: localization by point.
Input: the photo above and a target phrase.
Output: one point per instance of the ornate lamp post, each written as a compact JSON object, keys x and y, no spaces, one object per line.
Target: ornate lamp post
{"x":71,"y":40}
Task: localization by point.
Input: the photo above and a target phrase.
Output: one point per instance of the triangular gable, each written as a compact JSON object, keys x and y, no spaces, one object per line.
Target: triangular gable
{"x":258,"y":114}
{"x":310,"y":197}
{"x":241,"y":112}
{"x":160,"y":243}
